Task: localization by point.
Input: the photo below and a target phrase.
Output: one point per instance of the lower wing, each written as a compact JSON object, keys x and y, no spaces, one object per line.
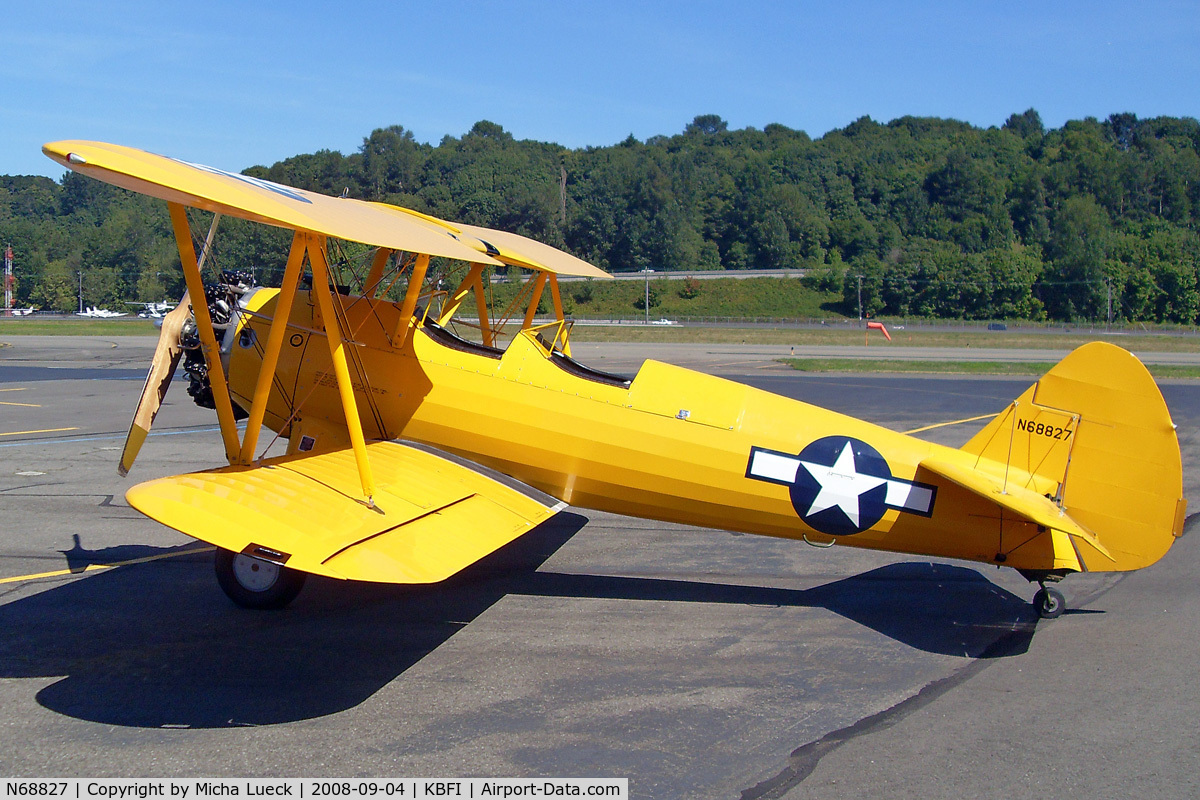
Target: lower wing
{"x":432,"y":517}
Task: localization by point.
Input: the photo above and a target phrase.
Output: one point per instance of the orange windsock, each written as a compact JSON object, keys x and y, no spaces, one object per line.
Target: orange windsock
{"x":879,"y":327}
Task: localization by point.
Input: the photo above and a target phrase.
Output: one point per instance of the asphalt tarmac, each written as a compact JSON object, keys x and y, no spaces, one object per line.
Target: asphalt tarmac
{"x":697,"y":663}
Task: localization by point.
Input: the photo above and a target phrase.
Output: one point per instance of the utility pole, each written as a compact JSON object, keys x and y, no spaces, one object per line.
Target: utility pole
{"x":562,"y":196}
{"x":859,"y":297}
{"x":1108,"y":286}
{"x":80,"y":291}
{"x":646,"y":275}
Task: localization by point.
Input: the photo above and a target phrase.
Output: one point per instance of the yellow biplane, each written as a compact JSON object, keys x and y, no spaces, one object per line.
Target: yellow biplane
{"x":414,"y":451}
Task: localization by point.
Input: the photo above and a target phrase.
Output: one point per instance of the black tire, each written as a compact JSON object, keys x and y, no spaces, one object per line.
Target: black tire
{"x":253,"y":583}
{"x":1050,"y":603}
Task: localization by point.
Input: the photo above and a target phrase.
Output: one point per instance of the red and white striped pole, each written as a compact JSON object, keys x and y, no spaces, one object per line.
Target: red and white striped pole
{"x":8,"y":281}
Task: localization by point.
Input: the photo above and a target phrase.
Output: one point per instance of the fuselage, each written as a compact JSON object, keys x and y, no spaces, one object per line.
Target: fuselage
{"x":669,"y":444}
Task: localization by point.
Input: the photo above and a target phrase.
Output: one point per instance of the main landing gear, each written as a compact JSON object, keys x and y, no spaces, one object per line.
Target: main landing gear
{"x":254,"y":583}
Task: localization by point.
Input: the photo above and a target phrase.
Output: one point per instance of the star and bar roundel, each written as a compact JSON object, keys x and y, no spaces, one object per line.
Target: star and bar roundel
{"x":840,"y":485}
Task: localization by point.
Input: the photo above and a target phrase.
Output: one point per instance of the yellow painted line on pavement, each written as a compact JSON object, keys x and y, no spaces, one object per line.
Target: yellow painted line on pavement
{"x":47,"y":430}
{"x":94,"y":567}
{"x":734,"y":363}
{"x":18,"y":389}
{"x":955,"y":422}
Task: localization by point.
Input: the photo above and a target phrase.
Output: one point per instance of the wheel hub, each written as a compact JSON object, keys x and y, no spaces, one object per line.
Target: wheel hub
{"x":254,"y":574}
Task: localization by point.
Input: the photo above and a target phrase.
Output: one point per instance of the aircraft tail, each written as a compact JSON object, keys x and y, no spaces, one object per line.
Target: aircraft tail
{"x":1095,"y":437}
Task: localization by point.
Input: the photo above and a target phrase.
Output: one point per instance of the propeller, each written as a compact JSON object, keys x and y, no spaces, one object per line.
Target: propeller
{"x":162,"y":368}
{"x":158,"y":380}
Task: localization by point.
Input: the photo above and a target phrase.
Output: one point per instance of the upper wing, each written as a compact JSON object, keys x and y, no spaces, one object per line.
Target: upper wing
{"x":510,"y":248}
{"x":246,"y":197}
{"x":432,"y":516}
{"x":242,"y":196}
{"x":521,"y":251}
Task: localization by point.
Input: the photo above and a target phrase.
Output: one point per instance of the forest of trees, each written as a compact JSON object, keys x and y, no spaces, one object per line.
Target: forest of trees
{"x":930,"y":217}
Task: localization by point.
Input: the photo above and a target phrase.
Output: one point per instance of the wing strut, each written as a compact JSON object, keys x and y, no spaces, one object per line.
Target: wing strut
{"x":558,"y":313}
{"x":539,"y":283}
{"x":481,"y":307}
{"x":329,"y":321}
{"x":416,"y":280}
{"x":283,"y":312}
{"x":455,"y":300}
{"x":208,"y":339}
{"x":375,"y":276}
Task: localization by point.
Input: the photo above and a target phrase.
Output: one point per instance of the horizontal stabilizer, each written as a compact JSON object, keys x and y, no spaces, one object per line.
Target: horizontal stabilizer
{"x":432,"y":517}
{"x":1023,"y":502}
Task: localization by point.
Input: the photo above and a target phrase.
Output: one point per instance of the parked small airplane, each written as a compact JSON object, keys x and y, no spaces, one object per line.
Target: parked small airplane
{"x":414,"y":451}
{"x":153,"y":310}
{"x":23,"y":312}
{"x":100,"y":313}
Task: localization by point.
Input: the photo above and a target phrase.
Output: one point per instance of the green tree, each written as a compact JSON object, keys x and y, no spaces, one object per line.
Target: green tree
{"x":639,"y":302}
{"x":1025,"y":125}
{"x":1078,"y":249}
{"x":55,"y":290}
{"x":391,"y":163}
{"x":706,"y":125}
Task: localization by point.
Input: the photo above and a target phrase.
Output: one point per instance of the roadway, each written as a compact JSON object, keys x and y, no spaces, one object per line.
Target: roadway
{"x":698,"y":663}
{"x":678,"y":275}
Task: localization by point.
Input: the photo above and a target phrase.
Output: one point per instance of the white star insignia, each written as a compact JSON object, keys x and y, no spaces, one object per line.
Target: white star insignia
{"x":841,"y":485}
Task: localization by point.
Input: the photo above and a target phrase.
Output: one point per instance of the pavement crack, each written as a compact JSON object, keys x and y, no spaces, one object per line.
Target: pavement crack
{"x":803,"y":760}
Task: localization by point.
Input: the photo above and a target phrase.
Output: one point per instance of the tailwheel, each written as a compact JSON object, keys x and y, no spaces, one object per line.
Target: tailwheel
{"x":1050,"y":603}
{"x":253,"y":583}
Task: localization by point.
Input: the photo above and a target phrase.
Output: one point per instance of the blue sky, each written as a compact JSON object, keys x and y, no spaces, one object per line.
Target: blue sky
{"x":234,"y":84}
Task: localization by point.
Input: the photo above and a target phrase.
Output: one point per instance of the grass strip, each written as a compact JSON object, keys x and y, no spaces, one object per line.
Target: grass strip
{"x":1050,"y":340}
{"x":78,"y":327}
{"x":956,"y":367}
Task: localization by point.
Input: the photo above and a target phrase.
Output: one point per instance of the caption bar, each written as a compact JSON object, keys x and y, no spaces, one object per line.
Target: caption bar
{"x":308,"y":788}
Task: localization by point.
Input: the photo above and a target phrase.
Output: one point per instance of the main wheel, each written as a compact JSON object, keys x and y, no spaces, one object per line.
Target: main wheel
{"x":1050,"y":603}
{"x":254,"y":583}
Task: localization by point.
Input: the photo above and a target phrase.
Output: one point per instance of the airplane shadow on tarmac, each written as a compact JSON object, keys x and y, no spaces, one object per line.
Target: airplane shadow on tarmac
{"x":157,"y":645}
